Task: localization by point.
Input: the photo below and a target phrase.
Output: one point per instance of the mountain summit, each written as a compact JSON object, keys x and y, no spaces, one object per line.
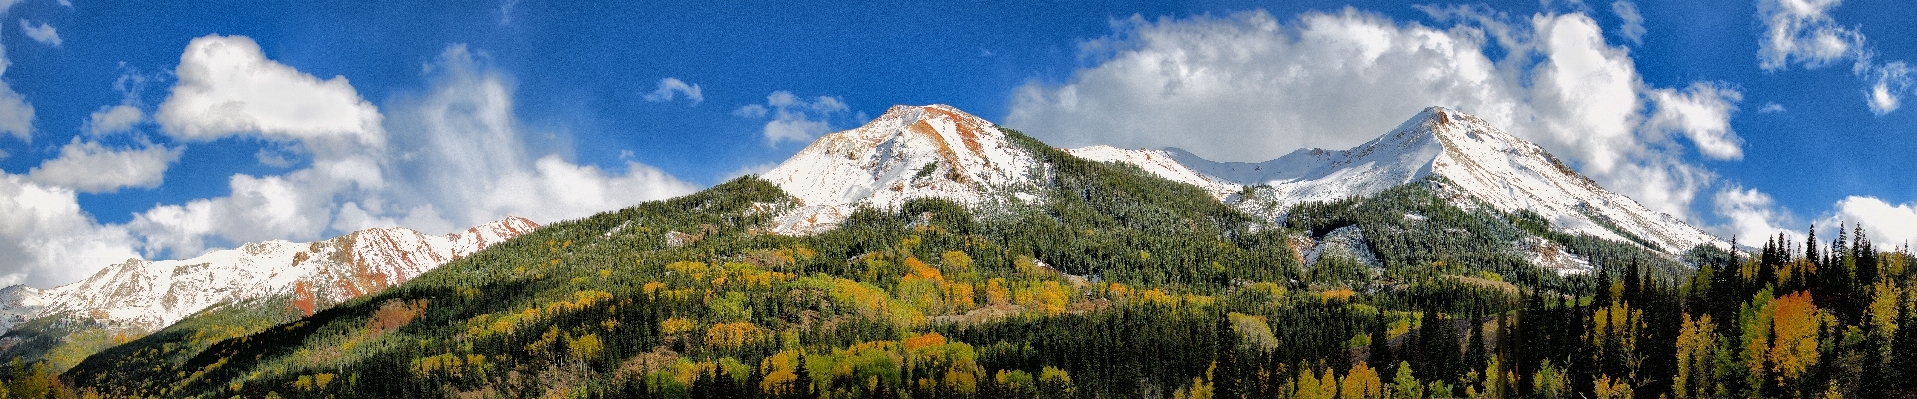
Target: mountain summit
{"x":1478,"y":162}
{"x":932,"y":151}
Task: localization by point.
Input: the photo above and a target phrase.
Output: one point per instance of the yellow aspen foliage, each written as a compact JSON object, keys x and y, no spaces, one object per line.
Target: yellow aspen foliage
{"x":956,"y":261}
{"x":958,"y":296}
{"x":1117,"y":292}
{"x":1054,"y":382}
{"x":1017,"y":381}
{"x":676,"y":325}
{"x":1883,"y":307}
{"x":918,"y":269}
{"x":585,"y":347}
{"x":1612,"y":388}
{"x":730,"y":336}
{"x":780,"y":371}
{"x":996,"y":293}
{"x":1794,"y":325}
{"x":652,"y":288}
{"x":1336,"y":295}
{"x":1157,"y":296}
{"x":694,"y":269}
{"x":1051,"y":297}
{"x":1696,"y":344}
{"x":1361,"y":382}
{"x":1308,"y":387}
{"x":961,"y":381}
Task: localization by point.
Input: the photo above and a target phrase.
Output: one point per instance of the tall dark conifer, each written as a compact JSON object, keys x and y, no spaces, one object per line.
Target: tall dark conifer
{"x":1476,"y":354}
{"x":1379,"y":355}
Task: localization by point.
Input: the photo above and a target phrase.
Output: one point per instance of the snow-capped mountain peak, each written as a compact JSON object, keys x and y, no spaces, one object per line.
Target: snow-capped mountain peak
{"x":932,"y":151}
{"x":1475,"y":159}
{"x":153,"y":294}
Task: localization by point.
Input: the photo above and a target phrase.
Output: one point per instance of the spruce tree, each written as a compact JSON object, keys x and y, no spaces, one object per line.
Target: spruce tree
{"x":1380,"y":352}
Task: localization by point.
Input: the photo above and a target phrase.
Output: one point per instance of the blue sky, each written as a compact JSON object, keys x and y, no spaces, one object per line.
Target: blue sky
{"x":440,"y":116}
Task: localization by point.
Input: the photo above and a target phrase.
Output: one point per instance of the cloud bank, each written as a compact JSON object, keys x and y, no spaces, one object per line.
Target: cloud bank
{"x":448,"y":158}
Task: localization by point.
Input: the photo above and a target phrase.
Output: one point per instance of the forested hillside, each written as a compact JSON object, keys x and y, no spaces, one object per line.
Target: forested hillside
{"x":1115,"y":284}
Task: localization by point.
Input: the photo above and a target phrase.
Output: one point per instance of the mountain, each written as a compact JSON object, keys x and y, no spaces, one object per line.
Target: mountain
{"x":1020,"y":270}
{"x":1473,"y":162}
{"x":147,"y":295}
{"x":931,"y":254}
{"x":933,"y":151}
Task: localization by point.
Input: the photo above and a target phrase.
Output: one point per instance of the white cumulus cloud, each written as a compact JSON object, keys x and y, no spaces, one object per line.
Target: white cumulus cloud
{"x":89,"y":167}
{"x":1250,"y":88}
{"x":114,"y":119}
{"x":227,"y":86}
{"x":452,"y":157}
{"x":46,"y":239}
{"x":1885,"y":223}
{"x":794,"y":118}
{"x":1802,"y":32}
{"x":1752,"y":216}
{"x":672,"y":87}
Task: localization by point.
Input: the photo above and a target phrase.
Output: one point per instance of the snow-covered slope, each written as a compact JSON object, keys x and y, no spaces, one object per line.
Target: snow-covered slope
{"x":933,"y":151}
{"x":1163,"y":164}
{"x":148,"y":294}
{"x":1477,"y":161}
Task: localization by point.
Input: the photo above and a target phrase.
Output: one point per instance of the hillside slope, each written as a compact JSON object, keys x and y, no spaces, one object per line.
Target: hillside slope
{"x":1479,"y":163}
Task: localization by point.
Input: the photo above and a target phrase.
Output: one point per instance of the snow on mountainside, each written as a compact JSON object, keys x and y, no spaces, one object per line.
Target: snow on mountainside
{"x":1477,"y":160}
{"x":149,"y":295}
{"x":1163,"y":164}
{"x":933,"y":151}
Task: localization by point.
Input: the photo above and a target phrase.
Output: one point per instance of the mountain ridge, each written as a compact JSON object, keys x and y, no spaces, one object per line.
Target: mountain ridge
{"x":148,"y":295}
{"x":1475,"y":159}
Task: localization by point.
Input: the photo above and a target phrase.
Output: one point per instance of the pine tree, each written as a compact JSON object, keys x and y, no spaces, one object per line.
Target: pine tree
{"x":1380,"y":350}
{"x":1476,"y":354}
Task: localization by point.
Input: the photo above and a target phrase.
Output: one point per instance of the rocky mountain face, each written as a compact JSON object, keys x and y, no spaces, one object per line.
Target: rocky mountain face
{"x":147,"y":295}
{"x":1477,"y":164}
{"x":933,"y":151}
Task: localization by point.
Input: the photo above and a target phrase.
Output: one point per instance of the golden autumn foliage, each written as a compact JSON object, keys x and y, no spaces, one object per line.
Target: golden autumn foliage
{"x":1361,"y":382}
{"x":995,"y":292}
{"x":1612,"y":388}
{"x":1696,"y":343}
{"x":780,"y":371}
{"x":924,"y":340}
{"x":730,"y":336}
{"x":1794,"y":324}
{"x":1336,"y":295}
{"x":676,"y":325}
{"x":918,"y":269}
